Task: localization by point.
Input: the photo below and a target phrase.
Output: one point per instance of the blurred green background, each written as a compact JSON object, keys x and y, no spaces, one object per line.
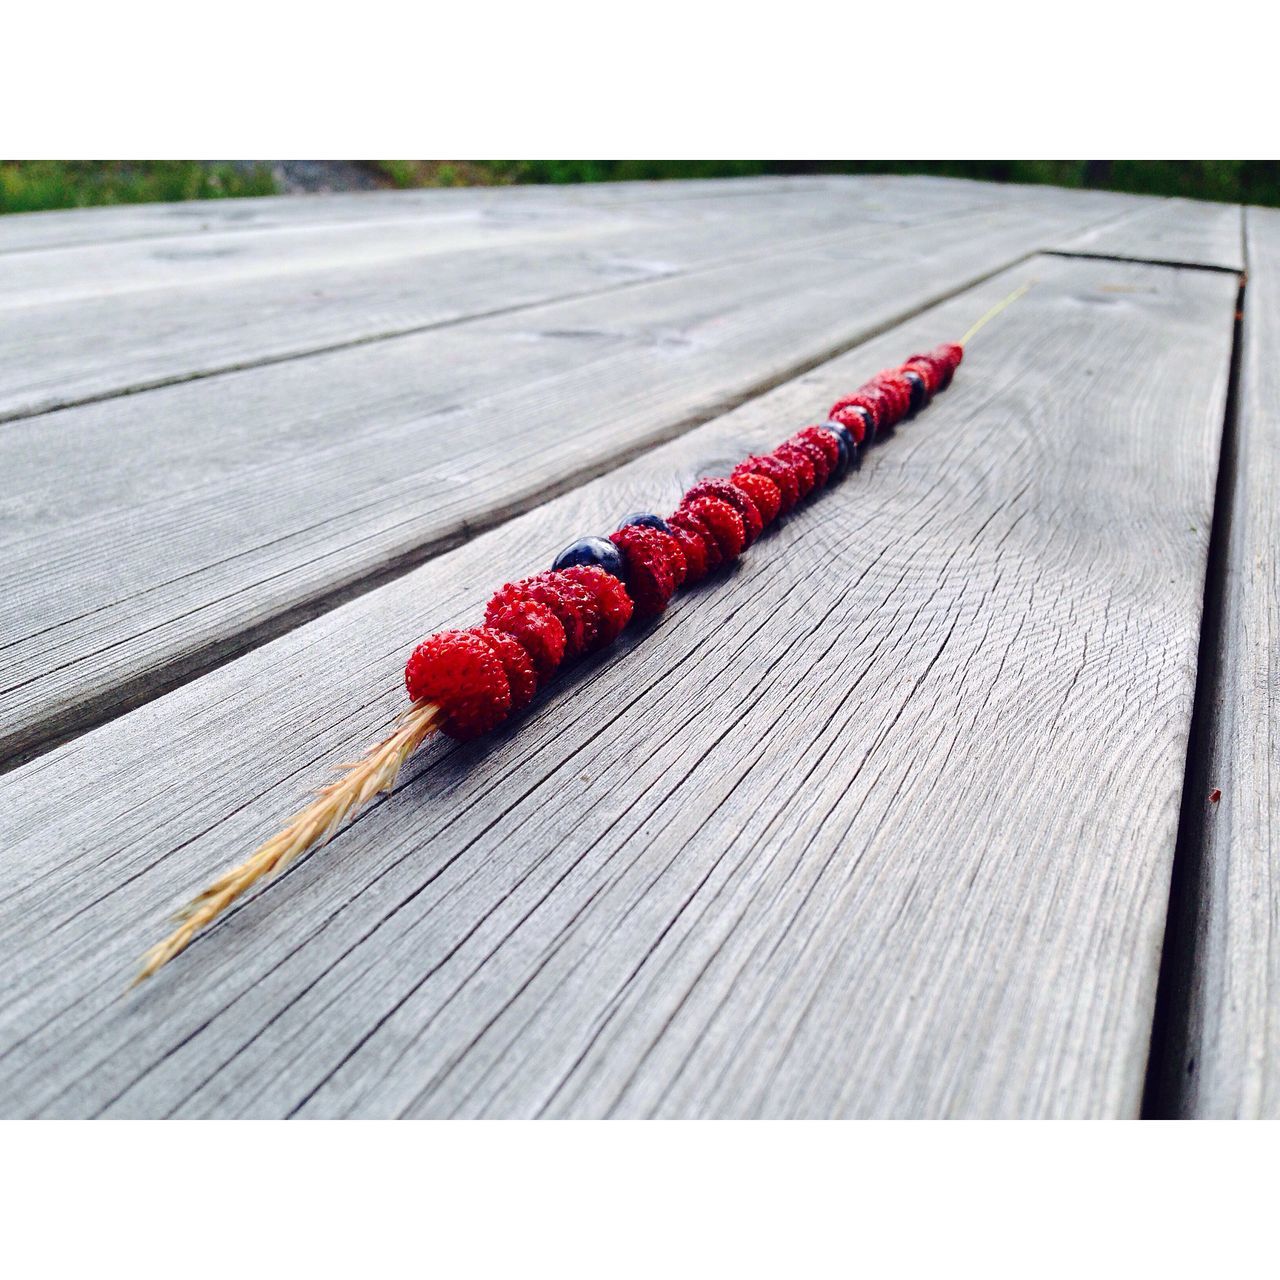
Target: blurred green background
{"x":60,"y":184}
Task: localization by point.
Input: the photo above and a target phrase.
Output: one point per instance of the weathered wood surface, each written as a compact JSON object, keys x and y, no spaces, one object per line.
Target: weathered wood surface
{"x":102,"y":320}
{"x":61,"y":229}
{"x":287,"y":247}
{"x":152,"y":534}
{"x":1229,"y":1065}
{"x":1186,"y":232}
{"x":67,"y":228}
{"x":91,"y":322}
{"x":881,"y":825}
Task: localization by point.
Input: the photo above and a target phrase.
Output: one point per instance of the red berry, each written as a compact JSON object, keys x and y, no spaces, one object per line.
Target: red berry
{"x":674,"y":552}
{"x":738,"y":499}
{"x":583,"y":603}
{"x":521,"y":677}
{"x":898,"y":391}
{"x":937,"y":366}
{"x":570,"y":603}
{"x":851,"y":417}
{"x":689,"y":523}
{"x":929,"y":369}
{"x":880,"y":405}
{"x":649,"y":575}
{"x":845,"y":410}
{"x":695,"y":552}
{"x":949,"y":355}
{"x":724,"y":523}
{"x":461,"y":674}
{"x":611,"y":597}
{"x":826,"y":442}
{"x":816,"y":455}
{"x":801,"y":465}
{"x":533,"y":626}
{"x":762,"y":491}
{"x":951,"y":352}
{"x":776,"y":470}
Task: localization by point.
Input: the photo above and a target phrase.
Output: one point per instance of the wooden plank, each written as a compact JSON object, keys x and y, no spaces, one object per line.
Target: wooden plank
{"x":1229,"y":1061}
{"x":86,"y":323}
{"x":63,"y":228}
{"x":22,"y":232}
{"x":199,"y":515}
{"x":488,"y":220}
{"x":881,"y":825}
{"x":1187,"y":232}
{"x":133,"y":267}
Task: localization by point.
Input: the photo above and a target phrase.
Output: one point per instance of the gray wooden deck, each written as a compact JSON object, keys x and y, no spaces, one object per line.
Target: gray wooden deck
{"x":906,"y":817}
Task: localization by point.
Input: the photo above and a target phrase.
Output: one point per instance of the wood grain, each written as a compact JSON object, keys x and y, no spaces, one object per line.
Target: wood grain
{"x":60,"y":229}
{"x":69,"y":228}
{"x":1185,"y":232}
{"x":195,"y":519}
{"x":89,"y":323}
{"x":879,"y":825}
{"x":1229,"y":1066}
{"x":490,"y":219}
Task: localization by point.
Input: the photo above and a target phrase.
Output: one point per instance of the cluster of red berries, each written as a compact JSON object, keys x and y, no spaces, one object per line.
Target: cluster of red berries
{"x":597,"y":585}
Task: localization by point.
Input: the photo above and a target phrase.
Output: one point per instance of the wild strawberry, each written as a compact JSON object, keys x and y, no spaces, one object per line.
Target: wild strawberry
{"x":816,"y":455}
{"x":612,"y":601}
{"x":533,"y":626}
{"x":688,"y":523}
{"x":695,"y":552}
{"x":724,"y":523}
{"x":650,"y":579}
{"x":762,"y":491}
{"x":826,"y":442}
{"x":461,"y":674}
{"x":776,"y":470}
{"x":569,"y":602}
{"x":737,"y":498}
{"x":801,"y":466}
{"x":521,"y":677}
{"x":857,"y":413}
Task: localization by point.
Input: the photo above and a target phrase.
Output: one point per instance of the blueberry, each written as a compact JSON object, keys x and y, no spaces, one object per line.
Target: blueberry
{"x":645,"y":517}
{"x":919,"y":392}
{"x":847,"y":444}
{"x":868,"y":425}
{"x":598,"y":551}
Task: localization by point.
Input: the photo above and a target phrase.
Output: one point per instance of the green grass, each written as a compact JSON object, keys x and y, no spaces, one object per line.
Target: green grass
{"x":63,"y":184}
{"x":1247,"y":181}
{"x":68,"y":184}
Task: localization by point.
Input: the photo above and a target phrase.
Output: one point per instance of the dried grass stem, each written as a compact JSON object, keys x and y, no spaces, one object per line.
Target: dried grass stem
{"x":375,"y":772}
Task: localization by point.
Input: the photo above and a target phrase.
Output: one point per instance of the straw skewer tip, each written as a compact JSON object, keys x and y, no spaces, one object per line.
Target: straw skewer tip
{"x":995,"y":311}
{"x":342,"y":799}
{"x":311,"y":827}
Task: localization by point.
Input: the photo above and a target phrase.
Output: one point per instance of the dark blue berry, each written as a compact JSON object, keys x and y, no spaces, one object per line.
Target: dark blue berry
{"x":646,"y":518}
{"x":597,"y":551}
{"x":919,"y":392}
{"x":868,"y":425}
{"x":846,"y":443}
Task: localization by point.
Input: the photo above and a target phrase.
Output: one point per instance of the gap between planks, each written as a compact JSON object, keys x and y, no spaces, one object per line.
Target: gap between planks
{"x":132,"y":689}
{"x":1167,"y":1093}
{"x":1070,"y":1081}
{"x":1141,"y":261}
{"x":1221,"y":1053}
{"x":148,"y":685}
{"x":594,"y":238}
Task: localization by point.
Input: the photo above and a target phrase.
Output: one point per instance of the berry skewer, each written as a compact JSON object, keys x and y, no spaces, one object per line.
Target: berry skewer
{"x":467,"y":682}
